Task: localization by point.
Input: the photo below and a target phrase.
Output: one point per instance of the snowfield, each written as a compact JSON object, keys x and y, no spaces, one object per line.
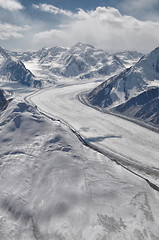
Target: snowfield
{"x":54,"y":188}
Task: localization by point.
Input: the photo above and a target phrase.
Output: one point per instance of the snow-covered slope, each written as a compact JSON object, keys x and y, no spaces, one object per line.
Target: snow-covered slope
{"x":14,"y":70}
{"x":53,"y":187}
{"x":141,"y":77}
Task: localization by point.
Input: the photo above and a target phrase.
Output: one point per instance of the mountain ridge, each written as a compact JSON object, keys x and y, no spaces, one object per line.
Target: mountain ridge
{"x":119,"y":91}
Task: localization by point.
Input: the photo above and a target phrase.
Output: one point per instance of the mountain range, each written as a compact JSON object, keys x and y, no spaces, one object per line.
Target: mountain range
{"x":80,"y":61}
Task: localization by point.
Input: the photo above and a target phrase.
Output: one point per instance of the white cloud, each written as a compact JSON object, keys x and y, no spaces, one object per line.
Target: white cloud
{"x":11,"y":5}
{"x":52,"y":9}
{"x":11,"y":31}
{"x":105,"y":28}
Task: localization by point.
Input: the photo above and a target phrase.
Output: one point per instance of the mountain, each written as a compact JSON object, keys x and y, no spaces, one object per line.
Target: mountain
{"x":85,"y":61}
{"x":81,"y":59}
{"x":14,"y":70}
{"x":130,"y":86}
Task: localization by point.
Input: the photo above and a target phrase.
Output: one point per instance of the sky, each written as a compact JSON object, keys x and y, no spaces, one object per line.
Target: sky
{"x":112,"y":25}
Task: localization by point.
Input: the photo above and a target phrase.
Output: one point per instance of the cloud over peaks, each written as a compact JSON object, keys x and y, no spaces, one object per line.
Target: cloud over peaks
{"x":104,"y":27}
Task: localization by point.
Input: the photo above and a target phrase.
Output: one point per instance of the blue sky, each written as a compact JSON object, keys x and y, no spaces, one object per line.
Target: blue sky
{"x":113,"y":25}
